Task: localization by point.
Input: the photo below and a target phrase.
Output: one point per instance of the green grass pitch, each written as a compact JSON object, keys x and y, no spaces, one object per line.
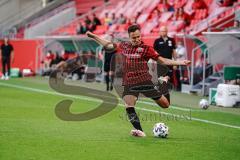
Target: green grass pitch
{"x":30,"y":130}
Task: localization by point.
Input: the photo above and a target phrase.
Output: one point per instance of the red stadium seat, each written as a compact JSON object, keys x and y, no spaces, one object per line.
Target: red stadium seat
{"x":122,"y":28}
{"x":101,"y":29}
{"x":200,"y":14}
{"x":156,"y":30}
{"x":84,"y":6}
{"x":146,"y":8}
{"x":165,"y":16}
{"x":180,"y":3}
{"x":176,"y":26}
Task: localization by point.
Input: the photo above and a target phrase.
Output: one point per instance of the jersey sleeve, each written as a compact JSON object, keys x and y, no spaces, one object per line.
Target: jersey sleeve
{"x":119,"y":47}
{"x":151,"y":54}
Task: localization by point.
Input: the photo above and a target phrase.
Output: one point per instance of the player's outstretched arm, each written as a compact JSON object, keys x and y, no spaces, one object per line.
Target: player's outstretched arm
{"x":173,"y":62}
{"x":107,"y":44}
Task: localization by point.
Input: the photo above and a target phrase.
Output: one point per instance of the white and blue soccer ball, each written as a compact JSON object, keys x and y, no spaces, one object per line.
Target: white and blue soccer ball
{"x":160,"y":130}
{"x":203,"y":103}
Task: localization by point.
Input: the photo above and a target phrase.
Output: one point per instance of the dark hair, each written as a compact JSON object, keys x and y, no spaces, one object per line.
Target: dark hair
{"x":133,"y":28}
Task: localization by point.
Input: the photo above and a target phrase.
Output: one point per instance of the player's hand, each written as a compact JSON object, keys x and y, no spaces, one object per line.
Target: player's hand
{"x":185,"y":62}
{"x":90,"y":34}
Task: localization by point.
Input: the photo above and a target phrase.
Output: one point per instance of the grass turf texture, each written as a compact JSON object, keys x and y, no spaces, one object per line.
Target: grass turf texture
{"x":30,"y":130}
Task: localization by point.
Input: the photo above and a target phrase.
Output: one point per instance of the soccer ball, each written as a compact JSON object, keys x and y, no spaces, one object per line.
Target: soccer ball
{"x":160,"y":130}
{"x":203,"y":104}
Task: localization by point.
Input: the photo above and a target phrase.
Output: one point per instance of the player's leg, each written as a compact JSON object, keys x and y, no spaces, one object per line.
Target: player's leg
{"x":163,"y":101}
{"x":8,"y":68}
{"x":3,"y":68}
{"x":106,"y":73}
{"x":160,"y":94}
{"x":130,"y":99}
{"x":111,"y":78}
{"x":107,"y":80}
{"x":130,"y":102}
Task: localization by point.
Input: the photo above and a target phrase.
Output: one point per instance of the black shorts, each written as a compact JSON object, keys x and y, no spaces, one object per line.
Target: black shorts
{"x":148,"y":91}
{"x":109,"y":67}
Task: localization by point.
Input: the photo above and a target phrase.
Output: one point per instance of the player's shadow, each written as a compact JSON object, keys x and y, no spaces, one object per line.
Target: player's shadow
{"x":62,"y":109}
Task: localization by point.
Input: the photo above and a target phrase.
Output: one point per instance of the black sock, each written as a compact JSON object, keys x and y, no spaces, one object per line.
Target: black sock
{"x":107,"y":81}
{"x":133,"y":118}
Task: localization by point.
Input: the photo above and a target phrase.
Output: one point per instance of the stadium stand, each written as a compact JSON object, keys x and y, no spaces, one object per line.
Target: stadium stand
{"x":182,"y":18}
{"x":195,"y":18}
{"x":28,"y":14}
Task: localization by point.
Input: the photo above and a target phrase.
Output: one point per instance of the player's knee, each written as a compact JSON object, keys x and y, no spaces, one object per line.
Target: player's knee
{"x":129,"y":104}
{"x":165,"y":105}
{"x":163,"y":102}
{"x":129,"y":101}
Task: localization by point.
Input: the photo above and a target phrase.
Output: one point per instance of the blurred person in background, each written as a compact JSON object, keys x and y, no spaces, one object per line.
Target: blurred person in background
{"x":82,"y":28}
{"x":87,"y":20}
{"x":47,"y":62}
{"x":165,"y":46}
{"x":236,"y":24}
{"x":155,"y":17}
{"x":7,"y":58}
{"x":181,"y":54}
{"x":107,"y":20}
{"x":122,"y":19}
{"x":96,"y":21}
{"x":64,"y":55}
{"x":114,"y":19}
{"x":183,"y":16}
{"x":108,"y":68}
{"x":57,"y":59}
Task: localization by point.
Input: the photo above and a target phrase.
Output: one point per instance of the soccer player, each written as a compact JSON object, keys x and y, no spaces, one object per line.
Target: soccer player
{"x":137,"y":55}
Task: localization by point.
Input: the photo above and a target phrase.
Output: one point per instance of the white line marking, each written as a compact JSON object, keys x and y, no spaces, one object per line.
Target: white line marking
{"x":150,"y":103}
{"x":95,"y":100}
{"x":192,"y":118}
{"x":51,"y":92}
{"x":172,"y":107}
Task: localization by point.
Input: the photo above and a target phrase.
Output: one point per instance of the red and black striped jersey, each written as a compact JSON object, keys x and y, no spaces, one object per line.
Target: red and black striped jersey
{"x":135,"y":59}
